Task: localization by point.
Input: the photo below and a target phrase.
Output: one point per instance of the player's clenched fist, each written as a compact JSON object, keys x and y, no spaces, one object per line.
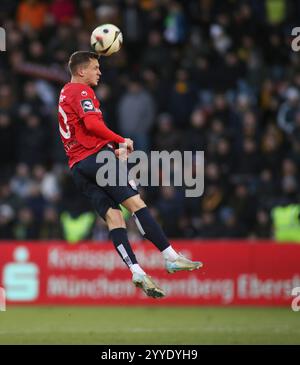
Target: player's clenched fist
{"x":129,"y":144}
{"x":122,"y":153}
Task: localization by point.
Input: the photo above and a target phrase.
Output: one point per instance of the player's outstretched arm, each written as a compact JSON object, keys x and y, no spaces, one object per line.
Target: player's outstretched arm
{"x":98,"y":128}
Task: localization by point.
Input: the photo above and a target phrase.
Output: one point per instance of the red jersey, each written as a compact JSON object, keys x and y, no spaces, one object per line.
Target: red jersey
{"x":81,"y":125}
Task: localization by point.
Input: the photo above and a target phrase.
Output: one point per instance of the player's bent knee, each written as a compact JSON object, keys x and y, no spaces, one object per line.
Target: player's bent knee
{"x":114,"y":219}
{"x":134,"y":203}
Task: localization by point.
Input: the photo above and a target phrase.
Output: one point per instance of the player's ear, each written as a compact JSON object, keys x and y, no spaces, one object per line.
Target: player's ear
{"x":80,"y":71}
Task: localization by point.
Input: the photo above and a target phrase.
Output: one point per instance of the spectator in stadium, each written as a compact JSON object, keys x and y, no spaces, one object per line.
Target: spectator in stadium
{"x":63,"y":11}
{"x":194,"y":138}
{"x":182,"y":98}
{"x":31,"y":14}
{"x":32,"y":146}
{"x":50,"y":228}
{"x":288,"y":110}
{"x":231,"y":226}
{"x":26,"y":227}
{"x":209,"y":227}
{"x":136,"y":113}
{"x":167,"y":138}
{"x":262,"y":227}
{"x":21,"y":181}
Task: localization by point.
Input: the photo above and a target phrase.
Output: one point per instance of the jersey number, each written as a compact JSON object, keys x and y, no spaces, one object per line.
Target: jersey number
{"x":66,"y":134}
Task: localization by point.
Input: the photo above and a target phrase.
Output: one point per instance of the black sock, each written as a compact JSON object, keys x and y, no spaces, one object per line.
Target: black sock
{"x":122,"y":245}
{"x":150,"y":229}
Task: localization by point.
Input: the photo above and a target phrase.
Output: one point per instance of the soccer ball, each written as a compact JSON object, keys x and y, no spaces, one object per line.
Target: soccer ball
{"x":106,"y":39}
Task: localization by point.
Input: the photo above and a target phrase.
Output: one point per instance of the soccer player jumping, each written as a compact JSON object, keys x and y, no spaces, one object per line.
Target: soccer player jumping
{"x":84,"y":134}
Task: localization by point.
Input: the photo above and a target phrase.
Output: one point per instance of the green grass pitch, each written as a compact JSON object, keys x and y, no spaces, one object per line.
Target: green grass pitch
{"x":149,"y":325}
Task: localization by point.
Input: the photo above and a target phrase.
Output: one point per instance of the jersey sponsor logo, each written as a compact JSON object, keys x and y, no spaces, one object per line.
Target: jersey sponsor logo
{"x":87,"y":105}
{"x":84,"y":93}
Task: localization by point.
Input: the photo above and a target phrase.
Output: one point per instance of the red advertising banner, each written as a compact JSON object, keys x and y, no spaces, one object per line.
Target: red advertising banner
{"x":239,"y":273}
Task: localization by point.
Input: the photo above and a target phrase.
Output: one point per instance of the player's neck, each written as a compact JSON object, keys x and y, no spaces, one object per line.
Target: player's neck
{"x":78,"y":80}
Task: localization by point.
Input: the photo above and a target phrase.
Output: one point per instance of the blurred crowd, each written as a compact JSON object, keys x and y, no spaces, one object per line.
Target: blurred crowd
{"x":198,"y":75}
